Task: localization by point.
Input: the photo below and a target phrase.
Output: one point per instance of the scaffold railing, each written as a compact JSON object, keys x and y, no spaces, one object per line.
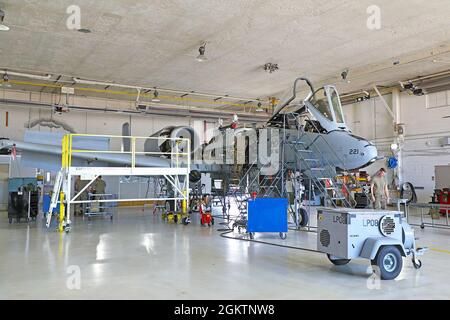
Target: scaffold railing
{"x":173,"y":164}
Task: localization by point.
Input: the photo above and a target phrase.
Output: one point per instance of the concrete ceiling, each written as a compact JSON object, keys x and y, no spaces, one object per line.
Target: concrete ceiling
{"x":154,"y":43}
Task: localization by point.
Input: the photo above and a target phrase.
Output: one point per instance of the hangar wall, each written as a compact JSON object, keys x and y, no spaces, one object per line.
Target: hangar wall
{"x":98,"y":122}
{"x":15,"y":118}
{"x":425,"y":127}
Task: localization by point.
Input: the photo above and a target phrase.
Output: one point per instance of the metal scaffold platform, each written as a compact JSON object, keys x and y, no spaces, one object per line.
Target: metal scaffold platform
{"x":174,"y":170}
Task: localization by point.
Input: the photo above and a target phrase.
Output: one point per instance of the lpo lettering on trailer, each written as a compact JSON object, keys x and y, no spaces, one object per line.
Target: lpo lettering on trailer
{"x":340,"y":219}
{"x":370,"y":223}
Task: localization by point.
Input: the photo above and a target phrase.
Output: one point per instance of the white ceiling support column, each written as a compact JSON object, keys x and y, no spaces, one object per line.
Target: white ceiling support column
{"x":399,"y":136}
{"x":396,"y":105}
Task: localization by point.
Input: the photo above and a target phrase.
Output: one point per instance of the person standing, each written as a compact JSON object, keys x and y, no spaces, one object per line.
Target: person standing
{"x":100,"y":186}
{"x":100,"y":189}
{"x":289,"y":186}
{"x":379,"y":190}
{"x":78,"y":186}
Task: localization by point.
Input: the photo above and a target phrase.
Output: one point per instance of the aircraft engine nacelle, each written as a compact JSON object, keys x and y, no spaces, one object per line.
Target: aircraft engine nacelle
{"x":165,"y":142}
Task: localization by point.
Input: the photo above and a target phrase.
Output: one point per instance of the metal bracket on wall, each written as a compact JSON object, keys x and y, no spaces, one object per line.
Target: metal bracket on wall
{"x":385,"y":104}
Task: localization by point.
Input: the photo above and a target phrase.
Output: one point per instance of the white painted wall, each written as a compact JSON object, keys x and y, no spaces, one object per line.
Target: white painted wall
{"x":423,"y":117}
{"x":91,"y":123}
{"x":424,"y":129}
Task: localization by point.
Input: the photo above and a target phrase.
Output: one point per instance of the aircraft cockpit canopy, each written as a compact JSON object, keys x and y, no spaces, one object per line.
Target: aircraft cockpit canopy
{"x":327,"y":108}
{"x":323,"y":104}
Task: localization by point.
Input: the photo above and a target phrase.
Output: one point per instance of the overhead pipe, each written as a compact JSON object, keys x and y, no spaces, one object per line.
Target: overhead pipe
{"x":48,"y":77}
{"x":355,"y":93}
{"x":112,"y":84}
{"x":435,"y":75}
{"x":151,"y":111}
{"x":169,"y":107}
{"x":26,"y":75}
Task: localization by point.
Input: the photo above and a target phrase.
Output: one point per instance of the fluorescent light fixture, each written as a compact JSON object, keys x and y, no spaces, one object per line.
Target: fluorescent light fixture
{"x":441,"y":61}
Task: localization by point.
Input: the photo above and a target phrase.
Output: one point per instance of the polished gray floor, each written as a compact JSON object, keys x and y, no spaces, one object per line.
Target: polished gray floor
{"x":137,"y":256}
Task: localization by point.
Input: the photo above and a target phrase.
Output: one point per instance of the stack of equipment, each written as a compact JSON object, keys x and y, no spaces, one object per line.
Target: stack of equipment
{"x":23,"y":199}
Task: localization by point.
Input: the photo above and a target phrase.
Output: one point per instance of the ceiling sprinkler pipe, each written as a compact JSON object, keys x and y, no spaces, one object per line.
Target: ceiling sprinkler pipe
{"x":355,"y":93}
{"x":91,"y":82}
{"x":151,"y":111}
{"x":435,"y":75}
{"x":97,"y":83}
{"x":26,"y":75}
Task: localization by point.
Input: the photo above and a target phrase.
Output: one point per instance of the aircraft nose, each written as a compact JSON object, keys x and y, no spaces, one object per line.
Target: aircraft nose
{"x":371,"y":150}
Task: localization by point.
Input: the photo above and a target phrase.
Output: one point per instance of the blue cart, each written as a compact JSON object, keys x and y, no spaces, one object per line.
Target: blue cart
{"x":267,"y":215}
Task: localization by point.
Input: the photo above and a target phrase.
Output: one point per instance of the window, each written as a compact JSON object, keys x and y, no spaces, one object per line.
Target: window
{"x":319,"y":100}
{"x":336,"y":106}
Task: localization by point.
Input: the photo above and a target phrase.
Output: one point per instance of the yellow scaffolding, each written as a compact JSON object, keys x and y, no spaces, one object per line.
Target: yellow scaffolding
{"x":179,"y":165}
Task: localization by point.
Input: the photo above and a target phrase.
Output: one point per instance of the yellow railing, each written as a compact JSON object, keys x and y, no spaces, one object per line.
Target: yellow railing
{"x":177,"y":158}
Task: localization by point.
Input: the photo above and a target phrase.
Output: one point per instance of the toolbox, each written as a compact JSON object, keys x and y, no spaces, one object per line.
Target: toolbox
{"x":268,"y":215}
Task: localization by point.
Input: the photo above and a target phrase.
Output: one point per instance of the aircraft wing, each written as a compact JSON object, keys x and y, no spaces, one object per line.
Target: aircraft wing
{"x":42,"y":153}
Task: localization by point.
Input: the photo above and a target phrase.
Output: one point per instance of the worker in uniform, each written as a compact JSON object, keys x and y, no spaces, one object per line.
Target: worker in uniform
{"x":78,"y":186}
{"x":289,"y":187}
{"x":379,"y":190}
{"x":100,"y":187}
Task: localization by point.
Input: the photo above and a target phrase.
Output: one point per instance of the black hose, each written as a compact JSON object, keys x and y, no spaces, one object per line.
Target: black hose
{"x":224,"y":233}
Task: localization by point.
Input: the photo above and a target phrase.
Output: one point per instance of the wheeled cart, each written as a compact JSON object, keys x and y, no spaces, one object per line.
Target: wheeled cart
{"x":383,"y":237}
{"x":205,"y":217}
{"x":22,"y":205}
{"x":267,"y":215}
{"x":96,"y":207}
{"x":23,"y":199}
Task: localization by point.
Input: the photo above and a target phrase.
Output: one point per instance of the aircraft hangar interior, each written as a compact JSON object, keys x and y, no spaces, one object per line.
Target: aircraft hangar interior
{"x":224,"y":150}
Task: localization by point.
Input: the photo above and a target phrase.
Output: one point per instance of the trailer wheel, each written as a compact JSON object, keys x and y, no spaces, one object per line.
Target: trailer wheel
{"x":389,"y":261}
{"x":338,"y":262}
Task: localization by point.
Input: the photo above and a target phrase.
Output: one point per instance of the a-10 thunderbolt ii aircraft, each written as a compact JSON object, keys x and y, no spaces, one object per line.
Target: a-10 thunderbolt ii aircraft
{"x":306,"y":133}
{"x":316,"y":123}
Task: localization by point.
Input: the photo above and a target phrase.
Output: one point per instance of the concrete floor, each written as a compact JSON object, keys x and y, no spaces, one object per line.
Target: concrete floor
{"x":139,"y":257}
